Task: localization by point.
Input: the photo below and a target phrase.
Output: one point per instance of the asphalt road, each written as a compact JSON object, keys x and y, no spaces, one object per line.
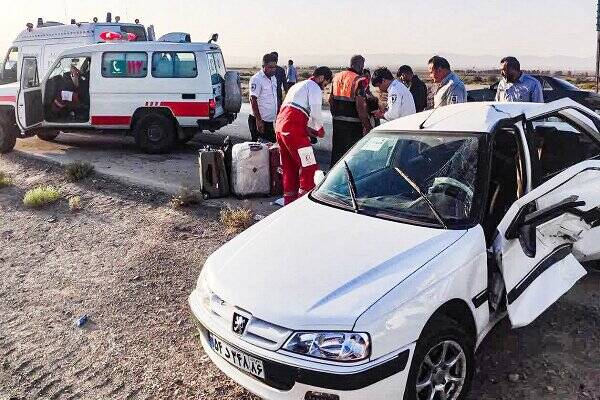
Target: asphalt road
{"x":115,"y":155}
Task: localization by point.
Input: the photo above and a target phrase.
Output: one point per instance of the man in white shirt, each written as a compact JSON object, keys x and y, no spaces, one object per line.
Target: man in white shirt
{"x":299,"y":119}
{"x":400,"y":101}
{"x":263,"y":99}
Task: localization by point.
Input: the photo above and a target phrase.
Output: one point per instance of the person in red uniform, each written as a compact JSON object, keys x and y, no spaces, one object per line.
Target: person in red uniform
{"x":300,"y":118}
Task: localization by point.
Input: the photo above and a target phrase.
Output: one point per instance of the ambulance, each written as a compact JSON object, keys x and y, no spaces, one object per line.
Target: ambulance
{"x":48,"y":38}
{"x":161,"y":92}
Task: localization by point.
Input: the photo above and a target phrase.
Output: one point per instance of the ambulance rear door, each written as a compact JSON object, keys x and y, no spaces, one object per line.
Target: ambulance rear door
{"x":30,"y":112}
{"x":216,"y":69}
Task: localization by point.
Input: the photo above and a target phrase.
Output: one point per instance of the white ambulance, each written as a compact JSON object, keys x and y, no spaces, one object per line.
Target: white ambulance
{"x":48,"y":39}
{"x":162,"y":92}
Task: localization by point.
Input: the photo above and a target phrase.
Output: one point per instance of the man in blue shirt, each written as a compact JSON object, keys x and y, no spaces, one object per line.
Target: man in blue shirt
{"x":517,"y":86}
{"x":292,"y":75}
{"x":451,"y":89}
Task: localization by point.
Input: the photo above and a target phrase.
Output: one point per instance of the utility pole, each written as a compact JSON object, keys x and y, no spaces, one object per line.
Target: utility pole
{"x":598,"y":47}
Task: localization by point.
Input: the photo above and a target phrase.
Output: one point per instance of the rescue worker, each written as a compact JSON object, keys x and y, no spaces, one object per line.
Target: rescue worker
{"x":517,"y":86}
{"x":263,"y":99}
{"x":300,"y":118}
{"x":349,"y":108}
{"x":416,"y":86}
{"x":451,"y":89}
{"x":400,"y":101}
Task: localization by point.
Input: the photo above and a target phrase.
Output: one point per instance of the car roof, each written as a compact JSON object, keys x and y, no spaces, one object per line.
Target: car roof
{"x":479,"y":117}
{"x":141,"y":46}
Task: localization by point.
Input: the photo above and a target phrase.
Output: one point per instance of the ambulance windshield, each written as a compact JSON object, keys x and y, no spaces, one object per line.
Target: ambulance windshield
{"x":410,"y":177}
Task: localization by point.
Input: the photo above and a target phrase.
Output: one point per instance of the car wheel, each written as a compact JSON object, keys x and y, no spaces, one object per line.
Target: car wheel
{"x":442,"y":366}
{"x":8,"y":138}
{"x":155,"y":133}
{"x":48,"y":135}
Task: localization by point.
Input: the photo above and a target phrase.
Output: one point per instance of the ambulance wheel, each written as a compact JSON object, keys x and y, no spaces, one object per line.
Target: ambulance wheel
{"x":155,"y":133}
{"x":8,"y":138}
{"x":48,"y":135}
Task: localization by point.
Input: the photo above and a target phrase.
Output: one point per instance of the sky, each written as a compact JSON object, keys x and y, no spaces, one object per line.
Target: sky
{"x":331,"y":27}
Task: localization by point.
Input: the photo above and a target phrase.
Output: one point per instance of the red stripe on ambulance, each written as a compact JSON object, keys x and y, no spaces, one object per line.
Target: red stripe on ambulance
{"x":111,"y":120}
{"x":187,"y":108}
{"x":8,"y":98}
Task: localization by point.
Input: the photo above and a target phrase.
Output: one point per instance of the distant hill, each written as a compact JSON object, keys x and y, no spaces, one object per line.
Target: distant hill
{"x":419,"y":61}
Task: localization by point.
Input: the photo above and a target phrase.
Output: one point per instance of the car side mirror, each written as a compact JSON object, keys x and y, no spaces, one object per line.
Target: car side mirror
{"x":528,"y":219}
{"x":319,"y":177}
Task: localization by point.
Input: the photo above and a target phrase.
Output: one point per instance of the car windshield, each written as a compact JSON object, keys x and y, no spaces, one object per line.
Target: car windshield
{"x":422,"y":178}
{"x":566,"y":85}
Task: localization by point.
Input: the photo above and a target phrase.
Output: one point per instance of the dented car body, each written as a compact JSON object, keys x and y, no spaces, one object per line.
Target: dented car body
{"x":382,"y":282}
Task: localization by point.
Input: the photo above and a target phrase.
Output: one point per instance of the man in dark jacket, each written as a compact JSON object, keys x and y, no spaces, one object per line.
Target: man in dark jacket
{"x":415,"y":85}
{"x":281,"y":79}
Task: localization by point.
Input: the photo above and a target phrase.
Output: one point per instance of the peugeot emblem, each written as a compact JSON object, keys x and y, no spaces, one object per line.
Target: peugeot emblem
{"x":239,"y":323}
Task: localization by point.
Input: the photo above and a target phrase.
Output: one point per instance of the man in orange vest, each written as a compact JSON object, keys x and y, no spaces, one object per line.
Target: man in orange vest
{"x":349,"y":108}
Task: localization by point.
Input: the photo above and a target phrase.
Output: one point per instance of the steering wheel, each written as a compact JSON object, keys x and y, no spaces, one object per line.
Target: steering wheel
{"x":452,"y":188}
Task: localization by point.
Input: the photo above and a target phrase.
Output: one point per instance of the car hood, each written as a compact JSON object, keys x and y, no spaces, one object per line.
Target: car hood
{"x":311,"y":266}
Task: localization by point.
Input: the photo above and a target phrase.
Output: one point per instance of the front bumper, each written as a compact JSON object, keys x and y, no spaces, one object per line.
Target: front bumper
{"x":288,"y":377}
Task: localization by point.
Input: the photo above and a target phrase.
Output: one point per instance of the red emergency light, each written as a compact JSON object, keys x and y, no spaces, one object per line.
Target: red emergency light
{"x":110,"y":36}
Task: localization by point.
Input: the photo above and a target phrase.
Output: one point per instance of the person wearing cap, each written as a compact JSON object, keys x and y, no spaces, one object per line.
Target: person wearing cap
{"x":349,"y":108}
{"x":300,"y":118}
{"x":517,"y":86}
{"x":263,"y":101}
{"x":400,"y":102}
{"x":451,"y":89}
{"x":417,"y":87}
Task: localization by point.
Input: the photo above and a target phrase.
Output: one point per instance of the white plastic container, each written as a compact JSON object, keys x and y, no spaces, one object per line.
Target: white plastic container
{"x":250,"y":174}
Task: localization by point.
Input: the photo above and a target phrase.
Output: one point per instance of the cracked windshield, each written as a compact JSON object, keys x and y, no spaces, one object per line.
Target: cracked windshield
{"x":424,"y":178}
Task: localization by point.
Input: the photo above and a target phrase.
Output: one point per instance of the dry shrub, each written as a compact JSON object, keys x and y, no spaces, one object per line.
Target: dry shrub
{"x":78,"y":170}
{"x":4,"y":180}
{"x":236,"y":220}
{"x":41,"y":196}
{"x":75,"y":203}
{"x":186,"y":197}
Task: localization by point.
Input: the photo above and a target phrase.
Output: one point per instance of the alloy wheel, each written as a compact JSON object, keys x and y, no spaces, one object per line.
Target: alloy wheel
{"x":442,"y":373}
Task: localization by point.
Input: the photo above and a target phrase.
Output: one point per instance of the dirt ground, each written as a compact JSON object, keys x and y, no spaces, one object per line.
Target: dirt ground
{"x":128,"y":260}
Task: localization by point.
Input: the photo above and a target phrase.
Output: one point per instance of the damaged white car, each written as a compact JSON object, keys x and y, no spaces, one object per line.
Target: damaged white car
{"x":382,"y":282}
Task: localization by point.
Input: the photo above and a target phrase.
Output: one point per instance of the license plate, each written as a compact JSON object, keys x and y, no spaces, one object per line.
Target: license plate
{"x":237,"y":358}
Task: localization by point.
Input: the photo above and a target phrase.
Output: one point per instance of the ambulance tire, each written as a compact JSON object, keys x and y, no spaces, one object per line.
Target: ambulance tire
{"x":155,"y":133}
{"x":8,"y":138}
{"x":48,"y":135}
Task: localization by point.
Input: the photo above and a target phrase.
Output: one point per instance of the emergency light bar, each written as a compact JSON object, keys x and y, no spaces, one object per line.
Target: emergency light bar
{"x":109,"y":36}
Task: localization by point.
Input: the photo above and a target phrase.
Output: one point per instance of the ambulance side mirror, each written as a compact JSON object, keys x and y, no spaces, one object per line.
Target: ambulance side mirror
{"x":319,"y":177}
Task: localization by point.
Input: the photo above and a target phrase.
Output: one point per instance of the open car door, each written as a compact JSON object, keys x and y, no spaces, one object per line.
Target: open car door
{"x":30,"y":111}
{"x":537,"y":237}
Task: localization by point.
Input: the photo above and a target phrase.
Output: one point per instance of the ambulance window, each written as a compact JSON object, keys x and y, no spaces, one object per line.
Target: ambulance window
{"x":174,"y":65}
{"x":10,"y":65}
{"x":216,"y":67}
{"x":30,"y":77}
{"x":124,"y":65}
{"x":11,"y":59}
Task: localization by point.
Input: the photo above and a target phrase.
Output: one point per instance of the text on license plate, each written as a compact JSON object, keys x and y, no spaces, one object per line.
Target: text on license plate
{"x":237,"y":358}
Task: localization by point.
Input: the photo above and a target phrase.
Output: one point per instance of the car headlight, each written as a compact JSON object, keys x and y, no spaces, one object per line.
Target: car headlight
{"x":334,"y":346}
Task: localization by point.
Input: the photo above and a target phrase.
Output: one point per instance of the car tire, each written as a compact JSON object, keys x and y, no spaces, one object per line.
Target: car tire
{"x":155,"y":133}
{"x":8,"y":138}
{"x":427,"y":365}
{"x":48,"y":135}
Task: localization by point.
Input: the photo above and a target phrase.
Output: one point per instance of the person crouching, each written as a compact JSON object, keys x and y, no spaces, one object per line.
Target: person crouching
{"x":300,"y":118}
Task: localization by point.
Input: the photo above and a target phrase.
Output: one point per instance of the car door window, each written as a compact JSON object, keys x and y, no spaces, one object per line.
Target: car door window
{"x":29,"y":77}
{"x":559,"y":144}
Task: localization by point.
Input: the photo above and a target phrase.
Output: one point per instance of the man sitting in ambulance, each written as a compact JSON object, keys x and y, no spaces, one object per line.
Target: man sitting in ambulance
{"x":72,"y":98}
